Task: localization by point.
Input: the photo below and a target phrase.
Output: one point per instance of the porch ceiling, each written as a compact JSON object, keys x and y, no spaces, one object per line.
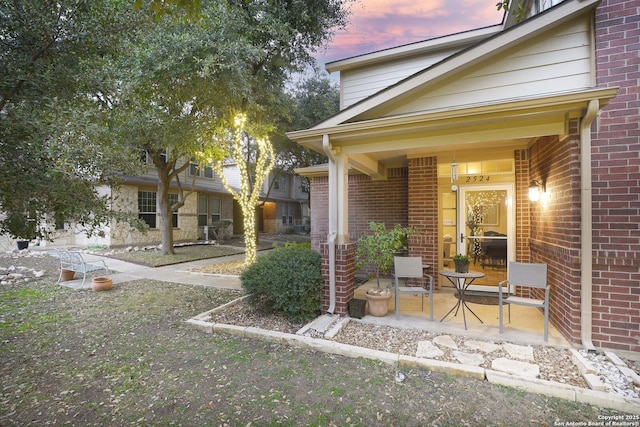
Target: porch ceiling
{"x":375,"y":144}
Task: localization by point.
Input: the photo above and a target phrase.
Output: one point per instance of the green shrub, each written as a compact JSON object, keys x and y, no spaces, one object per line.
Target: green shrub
{"x":289,"y":279}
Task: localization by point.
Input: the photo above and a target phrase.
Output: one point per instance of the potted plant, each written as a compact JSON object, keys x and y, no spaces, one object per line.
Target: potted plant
{"x":462,"y":263}
{"x":378,"y":248}
{"x":21,"y":228}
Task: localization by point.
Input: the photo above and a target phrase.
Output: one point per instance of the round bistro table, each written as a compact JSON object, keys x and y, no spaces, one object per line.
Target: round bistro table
{"x":461,"y":281}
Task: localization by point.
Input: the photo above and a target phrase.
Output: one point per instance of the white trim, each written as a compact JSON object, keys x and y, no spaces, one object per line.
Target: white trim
{"x":446,"y":42}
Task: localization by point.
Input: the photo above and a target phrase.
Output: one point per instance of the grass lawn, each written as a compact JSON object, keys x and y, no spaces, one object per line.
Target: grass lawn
{"x":186,"y":253}
{"x":127,"y":357}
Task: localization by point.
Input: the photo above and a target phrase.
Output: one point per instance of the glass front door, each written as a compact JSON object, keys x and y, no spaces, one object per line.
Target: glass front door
{"x":485,"y":230}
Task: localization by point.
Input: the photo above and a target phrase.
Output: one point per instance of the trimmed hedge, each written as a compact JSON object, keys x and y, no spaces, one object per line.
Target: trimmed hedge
{"x":290,"y":281}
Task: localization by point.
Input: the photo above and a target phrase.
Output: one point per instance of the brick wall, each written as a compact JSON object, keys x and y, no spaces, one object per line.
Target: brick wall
{"x":423,"y":211}
{"x":523,"y":207}
{"x":555,"y":226}
{"x":380,"y":201}
{"x":369,"y":200}
{"x":616,"y":179}
{"x":345,"y":276}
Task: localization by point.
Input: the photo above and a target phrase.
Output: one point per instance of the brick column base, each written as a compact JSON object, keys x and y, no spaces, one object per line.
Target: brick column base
{"x":345,"y":276}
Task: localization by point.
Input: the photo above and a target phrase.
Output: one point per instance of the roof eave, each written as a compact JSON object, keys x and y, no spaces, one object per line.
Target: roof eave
{"x":312,"y":138}
{"x":445,"y":42}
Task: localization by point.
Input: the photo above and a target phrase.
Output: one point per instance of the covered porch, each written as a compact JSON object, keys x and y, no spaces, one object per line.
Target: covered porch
{"x":526,"y":326}
{"x":397,"y":170}
{"x":511,"y":110}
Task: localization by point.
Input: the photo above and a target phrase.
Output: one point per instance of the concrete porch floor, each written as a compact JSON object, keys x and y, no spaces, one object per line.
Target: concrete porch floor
{"x":526,"y":326}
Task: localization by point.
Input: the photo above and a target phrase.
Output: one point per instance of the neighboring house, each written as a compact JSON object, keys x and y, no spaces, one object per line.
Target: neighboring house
{"x":287,"y":207}
{"x":209,"y":203}
{"x":284,"y":206}
{"x":283,"y":209}
{"x":448,"y":135}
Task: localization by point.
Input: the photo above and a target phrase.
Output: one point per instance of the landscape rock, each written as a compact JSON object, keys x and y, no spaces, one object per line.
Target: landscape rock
{"x":515,"y":367}
{"x":521,"y":352}
{"x":483,"y":346}
{"x":428,"y":350}
{"x":445,"y":341}
{"x":470,"y":359}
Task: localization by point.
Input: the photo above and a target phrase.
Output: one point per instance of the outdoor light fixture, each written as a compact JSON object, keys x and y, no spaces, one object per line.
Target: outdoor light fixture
{"x":535,"y":191}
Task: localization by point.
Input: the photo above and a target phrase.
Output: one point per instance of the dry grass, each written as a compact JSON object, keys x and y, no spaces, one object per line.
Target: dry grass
{"x":127,"y":357}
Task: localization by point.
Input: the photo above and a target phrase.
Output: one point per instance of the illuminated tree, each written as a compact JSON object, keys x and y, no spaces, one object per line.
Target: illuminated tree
{"x":254,"y":157}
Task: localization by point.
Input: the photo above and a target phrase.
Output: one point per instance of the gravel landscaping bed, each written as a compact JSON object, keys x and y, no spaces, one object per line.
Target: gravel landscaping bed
{"x":555,"y":364}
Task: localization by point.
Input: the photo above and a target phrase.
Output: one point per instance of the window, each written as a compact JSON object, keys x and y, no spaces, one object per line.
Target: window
{"x":147,"y":207}
{"x":208,"y":210}
{"x":287,"y":214}
{"x":197,"y":170}
{"x":280,"y":183}
{"x":202,"y":211}
{"x":214,"y":208}
{"x":146,"y":159}
{"x":173,"y":198}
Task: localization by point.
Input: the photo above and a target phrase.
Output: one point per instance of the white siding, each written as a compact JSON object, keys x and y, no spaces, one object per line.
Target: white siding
{"x":361,"y":83}
{"x":558,"y":61}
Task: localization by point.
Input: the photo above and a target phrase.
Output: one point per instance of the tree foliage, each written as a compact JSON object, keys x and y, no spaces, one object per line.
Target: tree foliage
{"x":49,"y":169}
{"x":380,"y":246}
{"x":87,"y":85}
{"x":316,"y":98}
{"x":183,"y":81}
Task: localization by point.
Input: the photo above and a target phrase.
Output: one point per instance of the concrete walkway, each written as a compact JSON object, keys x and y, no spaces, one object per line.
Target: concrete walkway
{"x":122,"y":272}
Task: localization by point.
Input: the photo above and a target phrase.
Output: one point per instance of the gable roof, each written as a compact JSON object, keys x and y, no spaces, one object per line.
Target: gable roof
{"x":463,"y":60}
{"x":430,"y":112}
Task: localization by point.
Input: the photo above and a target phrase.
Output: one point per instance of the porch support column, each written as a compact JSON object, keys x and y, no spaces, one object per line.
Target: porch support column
{"x":338,"y":233}
{"x":586,"y":228}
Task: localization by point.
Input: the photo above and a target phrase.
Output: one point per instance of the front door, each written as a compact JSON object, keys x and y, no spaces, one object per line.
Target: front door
{"x":485,"y":231}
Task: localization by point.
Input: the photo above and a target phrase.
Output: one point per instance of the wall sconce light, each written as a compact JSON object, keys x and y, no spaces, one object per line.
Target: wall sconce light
{"x":535,"y":190}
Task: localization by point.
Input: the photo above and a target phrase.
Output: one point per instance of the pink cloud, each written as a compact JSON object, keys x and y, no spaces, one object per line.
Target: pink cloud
{"x":380,"y":24}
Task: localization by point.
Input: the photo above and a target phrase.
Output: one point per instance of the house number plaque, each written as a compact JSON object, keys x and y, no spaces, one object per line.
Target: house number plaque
{"x":478,"y":179}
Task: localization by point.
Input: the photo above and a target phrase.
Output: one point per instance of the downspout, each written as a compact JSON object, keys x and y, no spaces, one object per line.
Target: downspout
{"x":586,"y":231}
{"x":333,"y":221}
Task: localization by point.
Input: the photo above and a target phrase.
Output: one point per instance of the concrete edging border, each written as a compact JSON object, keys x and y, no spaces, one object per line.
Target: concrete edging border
{"x":532,"y":385}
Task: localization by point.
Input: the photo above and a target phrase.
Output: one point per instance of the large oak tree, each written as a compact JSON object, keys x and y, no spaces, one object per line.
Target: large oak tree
{"x":186,"y":80}
{"x":48,"y":167}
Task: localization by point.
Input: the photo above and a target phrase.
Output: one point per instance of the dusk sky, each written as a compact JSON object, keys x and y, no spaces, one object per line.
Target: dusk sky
{"x":379,"y":24}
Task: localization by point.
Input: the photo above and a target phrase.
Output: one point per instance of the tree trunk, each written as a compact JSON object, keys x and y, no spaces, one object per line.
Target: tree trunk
{"x":249,"y":222}
{"x":164,"y":207}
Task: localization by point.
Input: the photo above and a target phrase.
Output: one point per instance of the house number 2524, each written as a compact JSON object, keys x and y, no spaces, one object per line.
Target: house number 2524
{"x":478,"y":178}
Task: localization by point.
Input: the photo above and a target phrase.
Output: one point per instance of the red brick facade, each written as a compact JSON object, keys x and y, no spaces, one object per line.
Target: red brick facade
{"x":345,"y":276}
{"x":369,"y":200}
{"x":423,"y":209}
{"x":555,"y":227}
{"x":616,"y":179}
{"x":548,"y":231}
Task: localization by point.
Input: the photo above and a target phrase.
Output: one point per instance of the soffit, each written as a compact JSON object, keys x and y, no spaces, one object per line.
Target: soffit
{"x":376,"y":145}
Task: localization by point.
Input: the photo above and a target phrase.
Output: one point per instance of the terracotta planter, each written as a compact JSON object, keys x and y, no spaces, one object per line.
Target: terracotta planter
{"x":101,"y":283}
{"x":378,"y":304}
{"x":67,"y":275}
